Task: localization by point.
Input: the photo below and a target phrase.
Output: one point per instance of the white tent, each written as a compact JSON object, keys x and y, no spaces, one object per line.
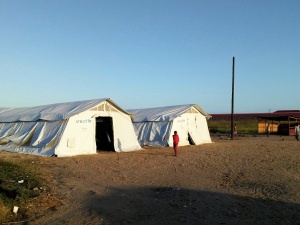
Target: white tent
{"x":67,"y":129}
{"x":155,"y":126}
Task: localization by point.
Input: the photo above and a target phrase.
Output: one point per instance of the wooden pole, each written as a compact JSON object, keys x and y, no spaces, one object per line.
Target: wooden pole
{"x":232,"y":98}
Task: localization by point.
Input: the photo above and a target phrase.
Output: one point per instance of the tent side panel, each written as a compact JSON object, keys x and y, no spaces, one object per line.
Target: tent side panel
{"x":78,"y":137}
{"x":46,"y":132}
{"x":198,"y":129}
{"x":180,"y":125}
{"x":23,"y":133}
{"x":20,"y":139}
{"x":153,"y":133}
{"x":124,"y":135}
{"x":6,"y":129}
{"x":193,"y":124}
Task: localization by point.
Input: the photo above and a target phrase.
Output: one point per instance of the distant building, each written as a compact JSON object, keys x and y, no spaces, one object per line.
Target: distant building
{"x":275,"y":119}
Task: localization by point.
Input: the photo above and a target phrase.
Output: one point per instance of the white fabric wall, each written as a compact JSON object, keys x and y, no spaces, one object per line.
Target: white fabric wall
{"x":179,"y":125}
{"x":193,"y":123}
{"x":46,"y":132}
{"x":19,"y":132}
{"x":78,"y":137}
{"x":199,"y":130}
{"x":64,"y":129}
{"x":79,"y":134}
{"x":153,"y":133}
{"x":161,"y":133}
{"x":6,"y":129}
{"x":125,"y":138}
{"x":41,"y":133}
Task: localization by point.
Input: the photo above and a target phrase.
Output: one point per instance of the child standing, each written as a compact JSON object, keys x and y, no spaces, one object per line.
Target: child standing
{"x":297,"y":131}
{"x":175,"y":142}
{"x":235,"y":130}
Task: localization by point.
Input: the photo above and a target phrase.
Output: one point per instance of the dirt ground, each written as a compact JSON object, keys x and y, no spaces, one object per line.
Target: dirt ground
{"x":248,"y":180}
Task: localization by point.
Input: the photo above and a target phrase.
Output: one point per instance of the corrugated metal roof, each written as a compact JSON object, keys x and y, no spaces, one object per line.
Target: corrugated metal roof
{"x":280,"y":115}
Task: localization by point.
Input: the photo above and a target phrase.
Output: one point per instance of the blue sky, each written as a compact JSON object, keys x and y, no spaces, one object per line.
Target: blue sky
{"x":151,"y":53}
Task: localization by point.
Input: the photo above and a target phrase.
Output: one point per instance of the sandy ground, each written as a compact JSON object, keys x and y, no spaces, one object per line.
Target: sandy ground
{"x":248,"y":180}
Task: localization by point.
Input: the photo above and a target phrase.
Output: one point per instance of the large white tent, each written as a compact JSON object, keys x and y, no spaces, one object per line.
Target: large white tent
{"x":67,"y":129}
{"x":155,"y":126}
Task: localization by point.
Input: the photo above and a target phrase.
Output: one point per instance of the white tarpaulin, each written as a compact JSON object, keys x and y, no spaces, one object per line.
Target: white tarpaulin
{"x":52,"y":112}
{"x":22,"y":132}
{"x":46,"y":132}
{"x":6,"y":129}
{"x":67,"y":129}
{"x":155,"y":126}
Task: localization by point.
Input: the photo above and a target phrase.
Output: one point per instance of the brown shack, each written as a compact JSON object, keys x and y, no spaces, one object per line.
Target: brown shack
{"x":281,"y":122}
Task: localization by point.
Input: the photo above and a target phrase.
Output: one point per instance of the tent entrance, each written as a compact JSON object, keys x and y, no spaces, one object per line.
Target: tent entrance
{"x":104,"y":134}
{"x":191,"y":141}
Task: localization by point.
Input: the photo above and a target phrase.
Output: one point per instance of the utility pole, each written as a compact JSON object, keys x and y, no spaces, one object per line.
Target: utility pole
{"x":232,"y":98}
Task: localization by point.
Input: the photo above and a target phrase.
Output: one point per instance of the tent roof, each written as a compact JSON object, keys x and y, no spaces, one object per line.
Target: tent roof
{"x":166,"y":113}
{"x":52,"y":112}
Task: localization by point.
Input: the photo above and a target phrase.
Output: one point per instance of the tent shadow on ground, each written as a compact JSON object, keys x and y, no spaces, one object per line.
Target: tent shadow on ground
{"x":164,"y":205}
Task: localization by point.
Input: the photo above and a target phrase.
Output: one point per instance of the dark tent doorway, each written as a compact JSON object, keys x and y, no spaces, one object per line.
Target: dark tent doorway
{"x":191,"y":141}
{"x":104,"y":134}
